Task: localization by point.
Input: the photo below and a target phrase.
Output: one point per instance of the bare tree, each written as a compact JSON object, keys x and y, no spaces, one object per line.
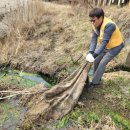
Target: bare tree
{"x":100,"y":2}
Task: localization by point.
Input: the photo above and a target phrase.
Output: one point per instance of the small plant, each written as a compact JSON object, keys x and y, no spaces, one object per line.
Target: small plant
{"x":62,"y":123}
{"x":9,"y":112}
{"x":50,"y":79}
{"x":111,"y":83}
{"x":93,"y":117}
{"x":120,"y":121}
{"x":78,"y":117}
{"x":73,"y":116}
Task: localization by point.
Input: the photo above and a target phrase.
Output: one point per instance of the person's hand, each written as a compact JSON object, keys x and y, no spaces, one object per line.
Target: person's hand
{"x":90,"y":58}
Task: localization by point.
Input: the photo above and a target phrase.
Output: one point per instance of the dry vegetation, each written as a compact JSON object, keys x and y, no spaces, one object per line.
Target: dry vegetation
{"x":44,"y":40}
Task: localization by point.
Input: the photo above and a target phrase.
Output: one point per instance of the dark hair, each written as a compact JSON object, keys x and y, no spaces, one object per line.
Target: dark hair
{"x":96,"y":12}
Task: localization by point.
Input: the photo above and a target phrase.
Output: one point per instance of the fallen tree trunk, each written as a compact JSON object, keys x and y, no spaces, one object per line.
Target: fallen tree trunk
{"x":57,"y":101}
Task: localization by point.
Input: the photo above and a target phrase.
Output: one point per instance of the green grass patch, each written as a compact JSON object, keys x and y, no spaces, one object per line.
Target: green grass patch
{"x":52,"y":80}
{"x":7,"y":111}
{"x":120,"y":121}
{"x":17,"y":80}
{"x":62,"y":123}
{"x":117,"y":81}
{"x":78,"y":116}
{"x":114,"y":86}
{"x":23,"y":79}
{"x":125,"y":102}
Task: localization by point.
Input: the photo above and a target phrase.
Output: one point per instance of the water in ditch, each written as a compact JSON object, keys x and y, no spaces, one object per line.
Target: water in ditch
{"x":11,"y":113}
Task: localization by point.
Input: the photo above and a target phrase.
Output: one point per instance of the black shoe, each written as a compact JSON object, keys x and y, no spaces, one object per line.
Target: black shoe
{"x":91,"y":86}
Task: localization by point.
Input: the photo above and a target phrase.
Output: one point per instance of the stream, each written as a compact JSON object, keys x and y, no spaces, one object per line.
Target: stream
{"x":11,"y":113}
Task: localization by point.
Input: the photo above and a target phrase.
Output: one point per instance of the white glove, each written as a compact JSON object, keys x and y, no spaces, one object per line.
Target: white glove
{"x":90,"y":58}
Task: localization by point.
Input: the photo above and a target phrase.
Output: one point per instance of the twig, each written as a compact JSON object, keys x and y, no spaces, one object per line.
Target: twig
{"x":74,"y":62}
{"x":1,"y":98}
{"x":19,"y":93}
{"x":14,"y":91}
{"x":90,"y":5}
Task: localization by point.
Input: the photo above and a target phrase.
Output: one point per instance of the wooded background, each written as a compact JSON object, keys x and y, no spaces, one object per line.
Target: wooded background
{"x":93,"y":2}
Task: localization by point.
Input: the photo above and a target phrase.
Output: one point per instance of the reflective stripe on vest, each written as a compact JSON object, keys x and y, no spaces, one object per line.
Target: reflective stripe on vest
{"x":116,"y":38}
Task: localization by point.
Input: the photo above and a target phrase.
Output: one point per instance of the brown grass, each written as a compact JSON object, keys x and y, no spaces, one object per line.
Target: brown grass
{"x":45,"y":37}
{"x":21,"y":23}
{"x":40,"y":30}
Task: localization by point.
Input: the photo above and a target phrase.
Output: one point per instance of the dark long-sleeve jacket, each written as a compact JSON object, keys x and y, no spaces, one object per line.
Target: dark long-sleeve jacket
{"x":109,"y":29}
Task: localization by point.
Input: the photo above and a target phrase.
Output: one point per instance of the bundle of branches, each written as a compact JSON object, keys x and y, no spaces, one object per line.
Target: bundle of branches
{"x":58,"y":101}
{"x":8,"y":91}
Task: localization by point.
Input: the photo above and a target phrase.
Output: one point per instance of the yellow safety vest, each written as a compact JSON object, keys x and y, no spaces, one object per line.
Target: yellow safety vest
{"x":116,"y":38}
